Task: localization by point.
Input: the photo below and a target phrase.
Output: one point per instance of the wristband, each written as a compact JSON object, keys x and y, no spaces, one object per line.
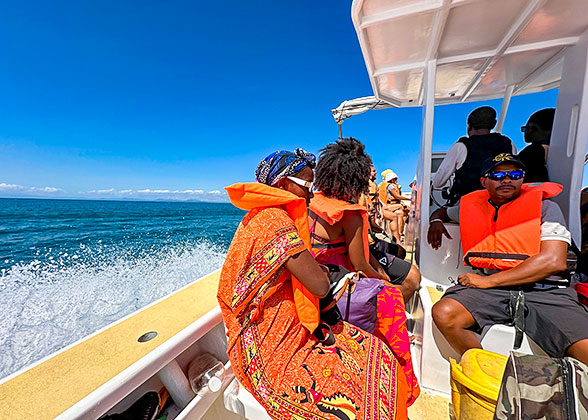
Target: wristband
{"x":435,"y":220}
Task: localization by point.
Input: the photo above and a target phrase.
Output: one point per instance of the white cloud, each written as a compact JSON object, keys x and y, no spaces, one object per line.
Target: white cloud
{"x":4,"y":186}
{"x":50,"y":189}
{"x":159,"y":194}
{"x":109,"y":190}
{"x":15,"y":189}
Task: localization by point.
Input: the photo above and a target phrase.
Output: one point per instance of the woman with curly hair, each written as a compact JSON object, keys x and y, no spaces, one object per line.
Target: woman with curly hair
{"x":268,"y":294}
{"x":339,"y":236}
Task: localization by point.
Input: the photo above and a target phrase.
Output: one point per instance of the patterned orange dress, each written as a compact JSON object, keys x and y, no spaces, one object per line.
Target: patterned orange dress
{"x":285,"y":367}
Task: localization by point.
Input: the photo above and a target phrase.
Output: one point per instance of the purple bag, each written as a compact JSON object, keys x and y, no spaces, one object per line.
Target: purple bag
{"x":360,"y":307}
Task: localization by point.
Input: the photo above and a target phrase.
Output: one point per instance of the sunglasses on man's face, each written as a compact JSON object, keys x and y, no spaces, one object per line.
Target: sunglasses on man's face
{"x":500,"y":175}
{"x":301,"y":182}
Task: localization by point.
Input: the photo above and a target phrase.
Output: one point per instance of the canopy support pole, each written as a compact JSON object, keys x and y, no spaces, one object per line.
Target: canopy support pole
{"x":424,"y":162}
{"x":340,"y":130}
{"x":504,"y":108}
{"x":565,"y":162}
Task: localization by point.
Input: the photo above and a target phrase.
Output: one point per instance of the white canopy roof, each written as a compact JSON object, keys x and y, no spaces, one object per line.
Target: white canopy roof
{"x":481,"y":46}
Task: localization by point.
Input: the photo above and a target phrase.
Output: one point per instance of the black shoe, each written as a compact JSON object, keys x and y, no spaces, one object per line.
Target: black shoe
{"x":145,"y":408}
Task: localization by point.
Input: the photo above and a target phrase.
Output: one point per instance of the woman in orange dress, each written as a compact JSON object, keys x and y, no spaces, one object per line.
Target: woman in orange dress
{"x":339,"y":235}
{"x":268,"y":294}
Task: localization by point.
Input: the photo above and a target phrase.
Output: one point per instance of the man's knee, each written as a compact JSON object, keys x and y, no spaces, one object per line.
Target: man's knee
{"x":448,"y":314}
{"x":413,"y":278}
{"x":579,"y":350}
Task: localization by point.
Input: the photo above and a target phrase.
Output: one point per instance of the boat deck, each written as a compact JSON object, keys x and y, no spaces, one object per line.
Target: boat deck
{"x":49,"y":388}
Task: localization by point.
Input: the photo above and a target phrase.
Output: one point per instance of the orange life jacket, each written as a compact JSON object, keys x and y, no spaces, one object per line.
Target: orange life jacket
{"x":332,"y":210}
{"x":502,"y":237}
{"x":252,"y":195}
{"x":383,"y":192}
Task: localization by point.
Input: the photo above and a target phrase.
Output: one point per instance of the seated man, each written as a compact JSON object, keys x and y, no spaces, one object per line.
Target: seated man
{"x":519,"y":237}
{"x":465,"y":157}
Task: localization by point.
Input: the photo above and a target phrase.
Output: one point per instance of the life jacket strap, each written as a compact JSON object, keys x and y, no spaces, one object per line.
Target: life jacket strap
{"x":328,"y":246}
{"x":494,"y":256}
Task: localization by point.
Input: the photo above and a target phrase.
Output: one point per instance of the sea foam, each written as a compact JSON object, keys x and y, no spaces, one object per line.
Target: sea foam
{"x":49,"y":303}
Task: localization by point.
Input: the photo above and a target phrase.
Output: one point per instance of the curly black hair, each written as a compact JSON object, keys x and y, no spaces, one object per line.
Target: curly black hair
{"x":343,"y":169}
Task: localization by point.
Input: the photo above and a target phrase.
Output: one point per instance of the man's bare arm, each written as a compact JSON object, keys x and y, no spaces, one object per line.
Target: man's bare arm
{"x":437,"y":228}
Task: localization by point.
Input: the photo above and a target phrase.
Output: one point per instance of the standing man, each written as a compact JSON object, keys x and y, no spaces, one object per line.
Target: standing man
{"x":465,"y":157}
{"x":519,"y":239}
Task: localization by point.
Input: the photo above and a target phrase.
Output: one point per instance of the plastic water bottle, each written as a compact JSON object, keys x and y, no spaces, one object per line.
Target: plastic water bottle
{"x":206,"y":371}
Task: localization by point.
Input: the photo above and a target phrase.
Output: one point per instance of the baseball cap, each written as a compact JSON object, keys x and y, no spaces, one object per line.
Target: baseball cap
{"x":491,"y":163}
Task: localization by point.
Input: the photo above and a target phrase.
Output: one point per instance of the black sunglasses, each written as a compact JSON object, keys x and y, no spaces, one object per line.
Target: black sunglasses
{"x":529,"y":126}
{"x":500,"y":175}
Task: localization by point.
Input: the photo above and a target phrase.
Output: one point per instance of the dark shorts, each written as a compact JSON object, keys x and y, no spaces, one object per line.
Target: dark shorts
{"x":396,"y":268}
{"x":554,"y":319}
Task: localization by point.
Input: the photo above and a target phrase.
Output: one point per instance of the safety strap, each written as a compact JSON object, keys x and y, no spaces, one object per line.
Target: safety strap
{"x":494,"y":256}
{"x":516,"y":309}
{"x":328,"y":246}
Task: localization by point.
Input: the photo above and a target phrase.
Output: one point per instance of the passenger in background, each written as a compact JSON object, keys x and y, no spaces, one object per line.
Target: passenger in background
{"x":372,"y":203}
{"x":339,"y":225}
{"x":465,"y":158}
{"x":395,"y":197}
{"x":537,"y":131}
{"x":268,"y":294}
{"x":519,"y":238}
{"x":392,"y":210}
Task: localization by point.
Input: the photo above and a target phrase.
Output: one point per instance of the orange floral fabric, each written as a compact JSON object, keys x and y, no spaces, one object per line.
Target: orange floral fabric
{"x":288,"y":371}
{"x":391,"y":320}
{"x":391,"y":327}
{"x":253,"y":195}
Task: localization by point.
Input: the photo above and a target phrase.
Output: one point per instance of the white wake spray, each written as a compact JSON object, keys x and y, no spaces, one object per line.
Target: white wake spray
{"x":47,"y":305}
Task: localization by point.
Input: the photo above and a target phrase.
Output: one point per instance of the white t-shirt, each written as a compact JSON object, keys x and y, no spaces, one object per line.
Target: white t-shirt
{"x":453,"y":160}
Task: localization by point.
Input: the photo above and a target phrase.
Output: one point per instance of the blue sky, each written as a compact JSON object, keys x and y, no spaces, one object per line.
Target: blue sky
{"x":151,"y":99}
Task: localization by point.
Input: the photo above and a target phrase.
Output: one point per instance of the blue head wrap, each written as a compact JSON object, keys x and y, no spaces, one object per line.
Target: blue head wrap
{"x":281,"y":164}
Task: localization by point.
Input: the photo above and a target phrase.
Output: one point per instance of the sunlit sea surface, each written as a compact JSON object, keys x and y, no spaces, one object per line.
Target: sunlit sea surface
{"x":70,"y":267}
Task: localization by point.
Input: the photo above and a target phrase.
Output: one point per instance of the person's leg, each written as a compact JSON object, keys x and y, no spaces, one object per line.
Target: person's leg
{"x":400,"y":222}
{"x":393,"y":226}
{"x":411,"y":283}
{"x":579,"y":350}
{"x":557,"y":322}
{"x":453,"y":320}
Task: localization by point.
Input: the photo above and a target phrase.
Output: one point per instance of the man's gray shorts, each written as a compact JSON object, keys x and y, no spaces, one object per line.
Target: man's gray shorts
{"x":554,"y":319}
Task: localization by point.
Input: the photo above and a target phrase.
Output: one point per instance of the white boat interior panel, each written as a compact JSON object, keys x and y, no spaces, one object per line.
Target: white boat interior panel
{"x":453,"y":78}
{"x":480,"y":47}
{"x":389,"y":48}
{"x":555,"y":19}
{"x":403,"y":83}
{"x":467,"y":31}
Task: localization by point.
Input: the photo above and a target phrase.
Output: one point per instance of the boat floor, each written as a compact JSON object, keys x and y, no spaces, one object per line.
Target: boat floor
{"x":49,"y":388}
{"x":430,"y":407}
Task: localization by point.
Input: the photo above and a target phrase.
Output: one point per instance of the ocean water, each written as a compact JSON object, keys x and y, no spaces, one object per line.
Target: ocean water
{"x":70,"y":267}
